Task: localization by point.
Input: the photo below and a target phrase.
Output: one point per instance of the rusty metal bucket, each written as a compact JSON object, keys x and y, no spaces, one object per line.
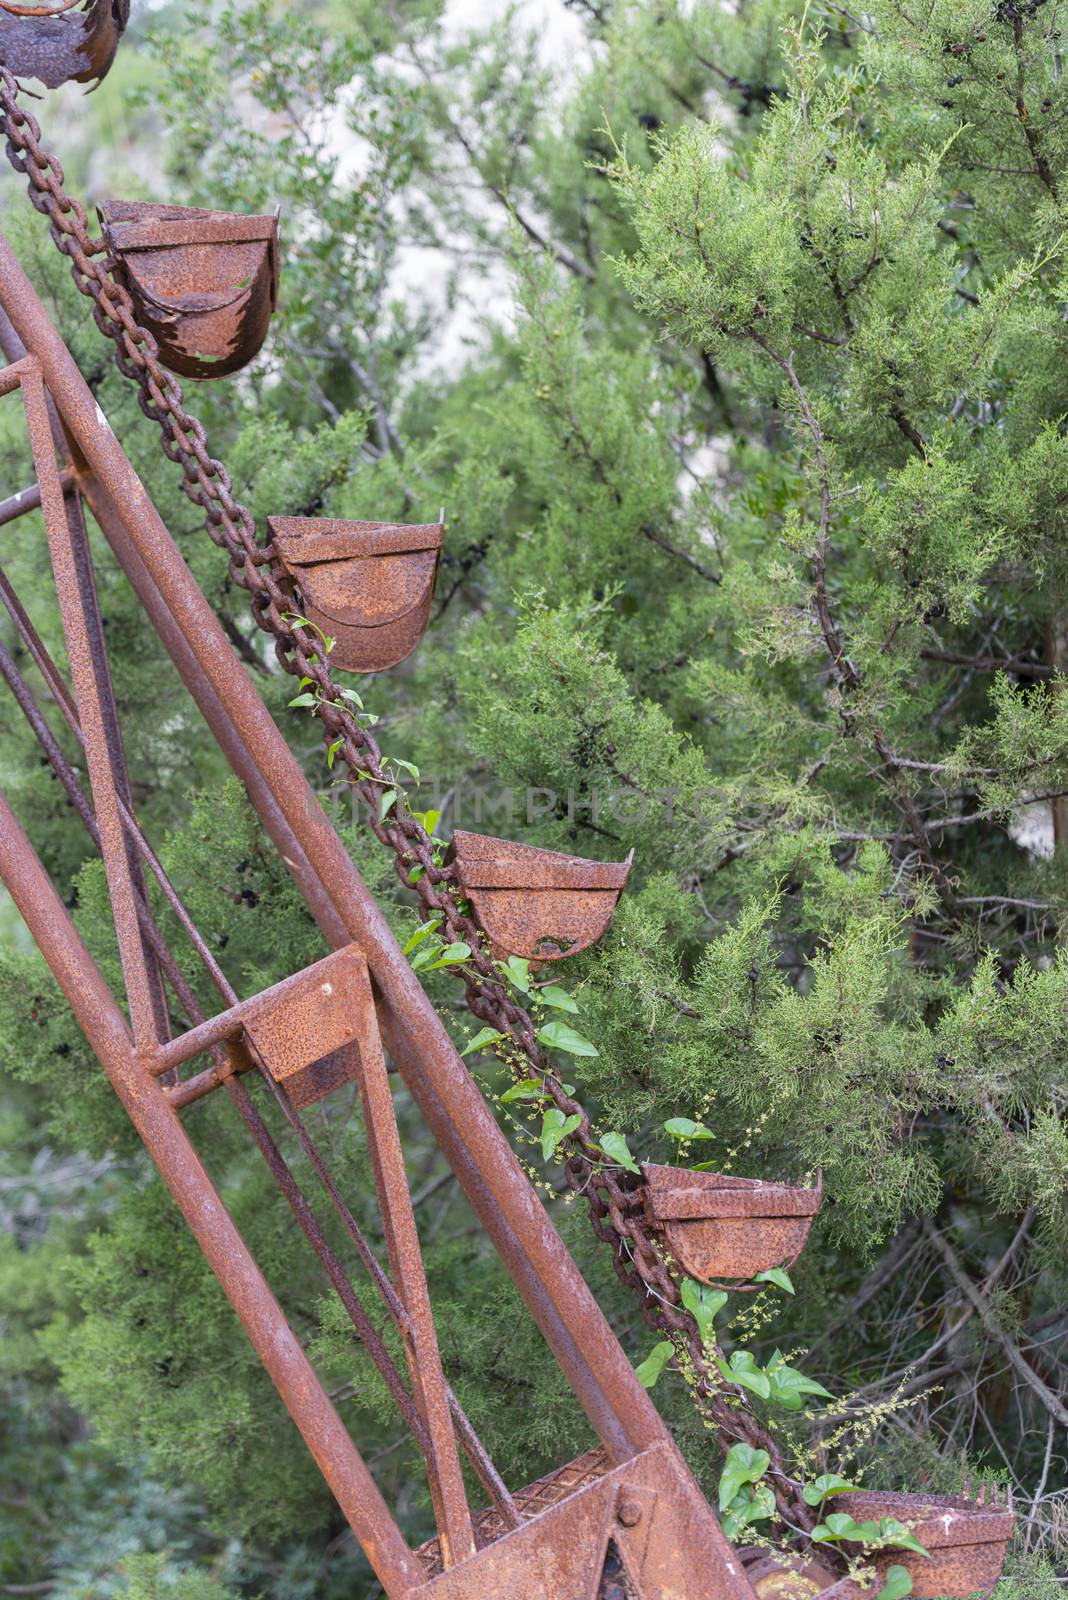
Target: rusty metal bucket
{"x":784,"y":1575}
{"x":724,"y":1227}
{"x":50,"y":43}
{"x":966,"y":1538}
{"x":367,"y":584}
{"x":204,"y":282}
{"x":538,"y":904}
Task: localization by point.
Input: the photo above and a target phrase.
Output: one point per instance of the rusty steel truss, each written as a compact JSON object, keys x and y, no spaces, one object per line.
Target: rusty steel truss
{"x":330,"y":1021}
{"x":275,"y":580}
{"x":192,"y":291}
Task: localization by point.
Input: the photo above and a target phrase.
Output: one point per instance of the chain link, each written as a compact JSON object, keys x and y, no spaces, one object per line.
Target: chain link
{"x":614,"y":1197}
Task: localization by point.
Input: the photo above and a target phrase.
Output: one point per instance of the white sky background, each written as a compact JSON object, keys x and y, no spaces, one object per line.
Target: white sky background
{"x":486,"y":294}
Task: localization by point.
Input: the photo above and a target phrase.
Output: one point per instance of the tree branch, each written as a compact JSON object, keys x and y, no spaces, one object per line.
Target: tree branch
{"x":681,"y":555}
{"x":987,"y":1317}
{"x":1022,"y":669}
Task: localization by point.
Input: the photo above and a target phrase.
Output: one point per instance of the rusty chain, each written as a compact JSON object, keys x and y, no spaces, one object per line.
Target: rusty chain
{"x":614,"y":1198}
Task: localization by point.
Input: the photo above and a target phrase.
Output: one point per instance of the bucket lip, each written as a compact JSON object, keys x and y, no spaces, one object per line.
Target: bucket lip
{"x":941,"y":1521}
{"x":309,"y":541}
{"x":25,"y":8}
{"x":676,"y":1194}
{"x":136,"y":225}
{"x":487,"y":863}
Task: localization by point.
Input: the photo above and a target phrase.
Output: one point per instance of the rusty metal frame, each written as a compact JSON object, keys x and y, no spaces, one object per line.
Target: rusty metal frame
{"x":635,"y":1441}
{"x":113,"y":828}
{"x":55,"y":43}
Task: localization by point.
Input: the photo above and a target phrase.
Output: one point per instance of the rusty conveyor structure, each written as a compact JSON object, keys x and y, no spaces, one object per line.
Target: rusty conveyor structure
{"x":632,"y":1501}
{"x":625,"y":1521}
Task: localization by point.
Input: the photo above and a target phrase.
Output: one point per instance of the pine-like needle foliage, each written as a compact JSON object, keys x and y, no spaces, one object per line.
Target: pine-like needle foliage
{"x":756,"y":563}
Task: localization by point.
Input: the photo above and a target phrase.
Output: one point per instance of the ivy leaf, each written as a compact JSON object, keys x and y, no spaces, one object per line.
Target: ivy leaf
{"x":451,"y":956}
{"x":743,"y":1465}
{"x":893,"y":1532}
{"x":704,"y":1303}
{"x":406,"y":766}
{"x":898,"y":1584}
{"x":776,"y":1275}
{"x":429,"y":820}
{"x":332,"y":752}
{"x":744,"y":1371}
{"x":827,"y":1484}
{"x":482,"y":1038}
{"x":553,"y":995}
{"x":555,"y":1128}
{"x":686,"y":1128}
{"x":305,"y":699}
{"x":654,"y":1363}
{"x":421,"y":933}
{"x":754,"y":1505}
{"x":839,"y":1525}
{"x":386,"y":804}
{"x":562,"y":1037}
{"x":350,"y":694}
{"x":617,"y":1149}
{"x":788,"y":1386}
{"x":517,"y":971}
{"x":529,"y":1089}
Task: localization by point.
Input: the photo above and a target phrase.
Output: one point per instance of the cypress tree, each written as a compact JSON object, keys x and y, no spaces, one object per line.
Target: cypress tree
{"x":756,"y":564}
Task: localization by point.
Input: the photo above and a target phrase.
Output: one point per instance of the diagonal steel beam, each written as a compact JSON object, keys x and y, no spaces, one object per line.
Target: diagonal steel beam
{"x":183,"y":1172}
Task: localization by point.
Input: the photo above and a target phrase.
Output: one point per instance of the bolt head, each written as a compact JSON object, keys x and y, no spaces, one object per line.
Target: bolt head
{"x":629,"y":1513}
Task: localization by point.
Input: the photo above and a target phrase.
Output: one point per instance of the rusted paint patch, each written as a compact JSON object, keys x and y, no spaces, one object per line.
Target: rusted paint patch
{"x":204,"y":282}
{"x":538,"y":904}
{"x":724,"y":1227}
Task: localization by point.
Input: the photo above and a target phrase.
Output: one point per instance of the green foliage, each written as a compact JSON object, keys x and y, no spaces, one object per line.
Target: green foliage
{"x":756,"y":562}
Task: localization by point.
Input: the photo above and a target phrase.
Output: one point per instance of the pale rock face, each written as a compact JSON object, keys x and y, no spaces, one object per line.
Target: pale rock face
{"x":1031,"y":827}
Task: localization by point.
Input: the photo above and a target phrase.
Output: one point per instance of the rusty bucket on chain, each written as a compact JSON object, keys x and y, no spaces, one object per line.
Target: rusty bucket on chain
{"x":722,"y":1227}
{"x":52,"y":44}
{"x":368,"y":585}
{"x":784,"y":1574}
{"x":204,"y":282}
{"x":966,"y":1538}
{"x":538,"y":904}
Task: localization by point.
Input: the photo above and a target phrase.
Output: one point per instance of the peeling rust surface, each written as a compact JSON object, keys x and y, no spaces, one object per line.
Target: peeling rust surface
{"x":541,"y":905}
{"x":367,"y":585}
{"x":204,"y":282}
{"x":725,"y":1227}
{"x":967,"y":1538}
{"x":640,"y":1530}
{"x":56,"y":44}
{"x":307,"y":1038}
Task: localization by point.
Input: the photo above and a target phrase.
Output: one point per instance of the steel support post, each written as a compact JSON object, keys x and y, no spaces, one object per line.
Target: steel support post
{"x":619,"y":1408}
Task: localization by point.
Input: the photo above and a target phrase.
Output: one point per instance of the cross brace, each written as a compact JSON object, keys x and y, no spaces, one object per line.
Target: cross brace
{"x":635,"y":1496}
